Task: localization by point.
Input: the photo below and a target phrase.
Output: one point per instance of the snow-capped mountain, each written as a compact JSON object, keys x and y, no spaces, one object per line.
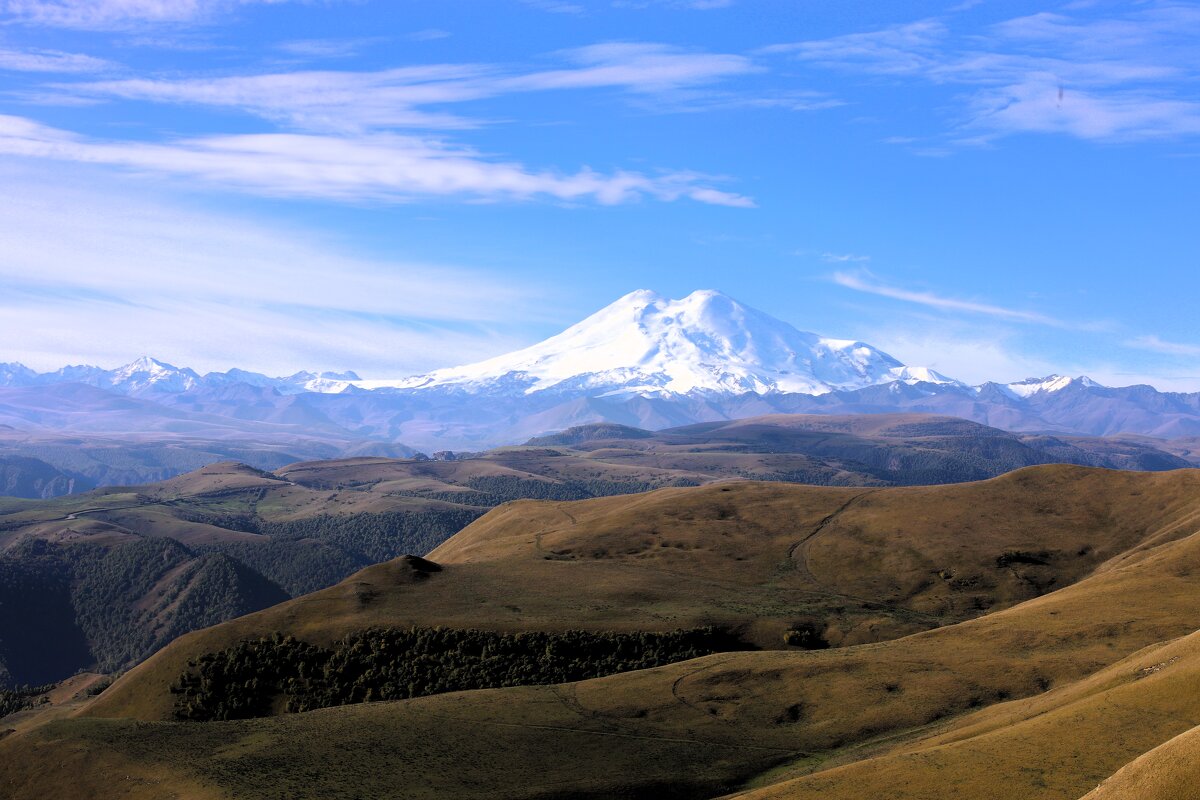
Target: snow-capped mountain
{"x":705,"y":343}
{"x":1051,"y":383}
{"x":643,"y":344}
{"x":322,"y":382}
{"x":14,"y":374}
{"x":148,"y":376}
{"x":645,"y":360}
{"x":143,"y":375}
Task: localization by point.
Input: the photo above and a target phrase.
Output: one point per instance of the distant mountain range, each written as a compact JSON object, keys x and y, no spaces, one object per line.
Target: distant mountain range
{"x":644,"y":361}
{"x":149,"y":376}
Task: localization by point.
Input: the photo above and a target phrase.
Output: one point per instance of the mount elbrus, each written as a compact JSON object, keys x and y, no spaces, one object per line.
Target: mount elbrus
{"x":645,"y":361}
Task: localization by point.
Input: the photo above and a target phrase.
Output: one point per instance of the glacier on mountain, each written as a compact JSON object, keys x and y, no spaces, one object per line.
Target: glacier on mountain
{"x":646,"y":361}
{"x":648,"y":345}
{"x":1051,"y":383}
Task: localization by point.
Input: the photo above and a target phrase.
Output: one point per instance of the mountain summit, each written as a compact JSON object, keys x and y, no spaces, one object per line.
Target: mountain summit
{"x":645,"y":361}
{"x":707,"y":342}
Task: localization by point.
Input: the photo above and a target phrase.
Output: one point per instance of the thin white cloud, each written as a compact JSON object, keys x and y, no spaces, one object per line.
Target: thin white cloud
{"x":403,"y":97}
{"x":210,"y":336}
{"x":1126,"y":76}
{"x":696,"y":5}
{"x":381,"y":167}
{"x":1035,"y":106}
{"x":427,"y":35}
{"x":350,"y":149}
{"x":325,"y":100}
{"x":898,"y":49}
{"x":862,"y":282}
{"x":140,"y":273}
{"x":966,"y":354}
{"x":979,"y":351}
{"x":327,"y":48}
{"x":555,"y":6}
{"x":50,"y":61}
{"x":1156,"y":344}
{"x":366,"y":135}
{"x":636,"y":66}
{"x":104,"y":14}
{"x":844,"y":258}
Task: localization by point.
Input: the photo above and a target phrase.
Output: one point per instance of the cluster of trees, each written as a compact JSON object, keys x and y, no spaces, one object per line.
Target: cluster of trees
{"x":67,"y":607}
{"x":75,"y":605}
{"x":296,"y":566}
{"x":20,"y":698}
{"x":503,"y":488}
{"x":376,"y":537}
{"x":39,"y":638}
{"x":71,"y":606}
{"x":303,"y":556}
{"x":264,"y":676}
{"x":127,"y":611}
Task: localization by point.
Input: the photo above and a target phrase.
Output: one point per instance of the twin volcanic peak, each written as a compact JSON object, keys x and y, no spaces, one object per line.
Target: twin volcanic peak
{"x":645,"y":361}
{"x":706,"y":342}
{"x":643,"y":344}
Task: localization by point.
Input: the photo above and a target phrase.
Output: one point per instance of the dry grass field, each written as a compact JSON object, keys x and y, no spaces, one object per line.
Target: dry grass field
{"x":1030,"y":636}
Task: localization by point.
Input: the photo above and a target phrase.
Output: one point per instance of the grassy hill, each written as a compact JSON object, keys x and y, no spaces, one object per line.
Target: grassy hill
{"x":246,"y":538}
{"x":101,"y":580}
{"x":1081,"y":664}
{"x":758,"y":559}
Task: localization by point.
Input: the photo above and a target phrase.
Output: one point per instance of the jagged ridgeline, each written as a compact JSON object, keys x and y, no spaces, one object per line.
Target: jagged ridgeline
{"x":261,"y":677}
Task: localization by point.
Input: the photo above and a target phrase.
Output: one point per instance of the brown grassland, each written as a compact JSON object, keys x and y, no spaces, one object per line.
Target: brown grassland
{"x":1029,"y":636}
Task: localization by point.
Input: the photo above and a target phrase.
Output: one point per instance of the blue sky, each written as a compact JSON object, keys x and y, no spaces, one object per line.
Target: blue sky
{"x":993,"y":189}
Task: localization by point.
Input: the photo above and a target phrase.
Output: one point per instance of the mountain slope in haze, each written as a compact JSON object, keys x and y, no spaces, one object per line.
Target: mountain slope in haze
{"x":887,"y":449}
{"x":35,"y":479}
{"x":1039,"y":701}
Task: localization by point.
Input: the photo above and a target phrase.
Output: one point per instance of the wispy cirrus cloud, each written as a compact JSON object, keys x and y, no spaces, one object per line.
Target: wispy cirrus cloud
{"x":347,"y":47}
{"x":1156,"y":344}
{"x":966,"y":353}
{"x":36,"y":60}
{"x":898,"y":49}
{"x":569,"y":7}
{"x":844,"y":258}
{"x":1129,"y":75}
{"x":381,"y":167}
{"x":141,"y":272}
{"x":867,"y":283}
{"x":370,"y":135}
{"x":698,"y":5}
{"x":555,"y":6}
{"x":416,"y":96}
{"x":328,"y":48}
{"x":105,"y":14}
{"x":325,"y":100}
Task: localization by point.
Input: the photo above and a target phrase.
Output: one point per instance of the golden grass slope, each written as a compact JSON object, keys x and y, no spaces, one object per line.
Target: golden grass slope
{"x":865,"y":565}
{"x":1171,"y":770}
{"x":1043,"y":699}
